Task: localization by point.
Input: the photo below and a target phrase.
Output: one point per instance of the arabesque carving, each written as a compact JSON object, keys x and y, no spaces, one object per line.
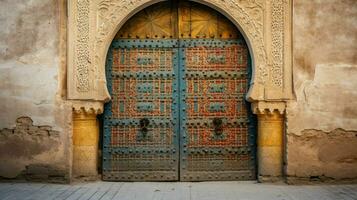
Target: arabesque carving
{"x":277,"y":26}
{"x":82,"y":46}
{"x":264,"y":24}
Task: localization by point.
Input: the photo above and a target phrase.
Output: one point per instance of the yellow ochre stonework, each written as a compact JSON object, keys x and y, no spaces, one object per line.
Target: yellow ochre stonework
{"x":270,"y":144}
{"x":85,"y":144}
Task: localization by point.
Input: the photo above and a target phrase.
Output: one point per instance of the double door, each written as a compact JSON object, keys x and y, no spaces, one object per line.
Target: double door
{"x":178,"y":111}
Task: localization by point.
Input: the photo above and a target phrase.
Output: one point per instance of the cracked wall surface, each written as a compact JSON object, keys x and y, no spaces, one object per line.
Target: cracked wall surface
{"x":32,"y":152}
{"x":31,"y":88}
{"x":322,"y":122}
{"x":36,"y":121}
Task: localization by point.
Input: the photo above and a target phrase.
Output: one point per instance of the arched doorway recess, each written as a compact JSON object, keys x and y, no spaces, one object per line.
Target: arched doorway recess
{"x":178,"y":73}
{"x":266,"y":26}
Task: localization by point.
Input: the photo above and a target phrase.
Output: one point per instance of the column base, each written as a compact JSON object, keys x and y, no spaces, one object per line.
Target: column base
{"x":271,"y":179}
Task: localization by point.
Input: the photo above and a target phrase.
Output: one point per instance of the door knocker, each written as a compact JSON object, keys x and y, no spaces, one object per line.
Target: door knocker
{"x":218,"y":126}
{"x":144,"y":123}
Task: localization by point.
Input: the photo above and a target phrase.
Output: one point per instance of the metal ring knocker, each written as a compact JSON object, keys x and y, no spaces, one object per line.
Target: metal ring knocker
{"x":144,"y":123}
{"x":218,"y":126}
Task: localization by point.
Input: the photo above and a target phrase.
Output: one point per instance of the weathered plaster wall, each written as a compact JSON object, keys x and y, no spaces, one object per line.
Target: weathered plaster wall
{"x":35,"y":122}
{"x":322,"y":123}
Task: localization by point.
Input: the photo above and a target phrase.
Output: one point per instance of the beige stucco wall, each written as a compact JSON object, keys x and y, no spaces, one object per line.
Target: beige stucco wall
{"x":35,"y":122}
{"x":322,"y":122}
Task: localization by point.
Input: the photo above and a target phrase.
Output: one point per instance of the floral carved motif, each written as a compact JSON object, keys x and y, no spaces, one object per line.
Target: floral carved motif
{"x":110,"y":13}
{"x":277,"y":26}
{"x":82,"y":46}
{"x":264,"y":23}
{"x":249,"y":14}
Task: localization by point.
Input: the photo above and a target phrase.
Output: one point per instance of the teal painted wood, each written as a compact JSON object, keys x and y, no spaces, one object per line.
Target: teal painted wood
{"x":142,"y":80}
{"x":200,"y":150}
{"x":217,"y":127}
{"x":106,"y":164}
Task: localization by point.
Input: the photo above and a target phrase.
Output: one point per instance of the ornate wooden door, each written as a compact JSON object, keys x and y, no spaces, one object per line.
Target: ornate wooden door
{"x":141,"y":122}
{"x":214,"y":122}
{"x":178,"y":74}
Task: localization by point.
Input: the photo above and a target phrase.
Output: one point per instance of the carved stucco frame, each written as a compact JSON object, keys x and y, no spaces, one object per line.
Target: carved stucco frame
{"x":265,"y":24}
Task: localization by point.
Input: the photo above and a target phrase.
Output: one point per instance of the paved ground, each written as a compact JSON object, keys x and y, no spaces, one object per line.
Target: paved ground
{"x":176,"y":191}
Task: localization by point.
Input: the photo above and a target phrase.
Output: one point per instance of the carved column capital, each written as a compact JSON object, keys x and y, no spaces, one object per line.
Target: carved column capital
{"x":88,"y":107}
{"x":270,"y":146}
{"x":85,"y":143}
{"x":262,"y":107}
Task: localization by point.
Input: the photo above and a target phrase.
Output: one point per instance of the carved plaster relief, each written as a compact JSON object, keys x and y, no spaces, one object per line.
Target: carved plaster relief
{"x":266,"y":25}
{"x":82,"y":59}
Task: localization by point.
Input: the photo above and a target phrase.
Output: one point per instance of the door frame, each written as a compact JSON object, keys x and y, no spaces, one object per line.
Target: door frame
{"x":266,"y":27}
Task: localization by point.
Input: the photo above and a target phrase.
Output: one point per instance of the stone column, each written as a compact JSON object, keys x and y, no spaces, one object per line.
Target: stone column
{"x":270,"y":146}
{"x":85,"y":144}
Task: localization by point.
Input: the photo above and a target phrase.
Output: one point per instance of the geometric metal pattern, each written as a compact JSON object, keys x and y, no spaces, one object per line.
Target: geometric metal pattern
{"x":197,"y":21}
{"x":217,"y":136}
{"x":178,"y":19}
{"x":141,"y":121}
{"x":178,"y":73}
{"x":178,"y":111}
{"x":156,"y":21}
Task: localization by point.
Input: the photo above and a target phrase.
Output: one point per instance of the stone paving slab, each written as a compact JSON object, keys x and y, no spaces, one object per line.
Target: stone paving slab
{"x":175,"y":191}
